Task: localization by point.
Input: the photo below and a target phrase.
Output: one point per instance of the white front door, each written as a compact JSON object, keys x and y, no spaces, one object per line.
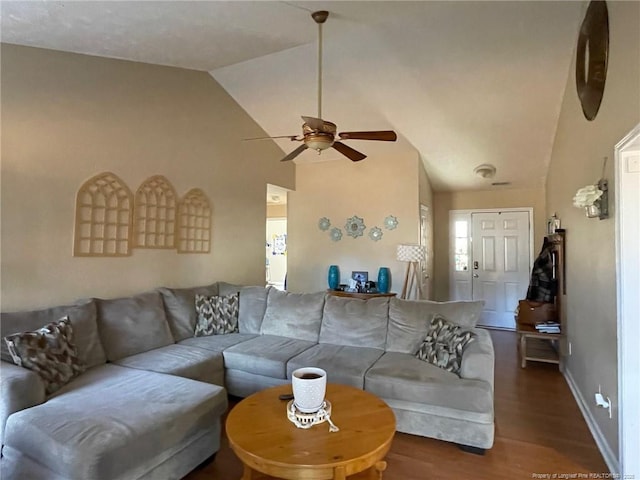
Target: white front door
{"x":500,"y":264}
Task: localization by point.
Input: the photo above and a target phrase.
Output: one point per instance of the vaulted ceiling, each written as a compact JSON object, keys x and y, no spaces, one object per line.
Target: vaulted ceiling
{"x":462,"y":83}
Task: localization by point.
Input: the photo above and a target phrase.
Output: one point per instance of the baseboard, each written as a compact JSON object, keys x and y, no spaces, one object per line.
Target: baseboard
{"x":608,"y":455}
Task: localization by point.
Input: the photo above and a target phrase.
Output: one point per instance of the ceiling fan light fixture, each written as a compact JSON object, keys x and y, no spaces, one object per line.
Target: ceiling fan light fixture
{"x":319,"y":134}
{"x":318,"y":141}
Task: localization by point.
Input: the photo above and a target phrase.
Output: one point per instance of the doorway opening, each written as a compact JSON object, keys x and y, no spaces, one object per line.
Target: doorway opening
{"x":491,"y":253}
{"x":276,"y":238}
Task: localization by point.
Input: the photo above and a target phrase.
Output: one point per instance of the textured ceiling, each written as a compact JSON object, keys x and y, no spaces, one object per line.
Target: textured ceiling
{"x":462,"y":83}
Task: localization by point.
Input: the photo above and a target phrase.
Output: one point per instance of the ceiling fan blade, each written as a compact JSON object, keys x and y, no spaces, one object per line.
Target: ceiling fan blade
{"x":381,"y":135}
{"x":290,"y":137}
{"x":349,"y":152}
{"x":313,"y":122}
{"x":295,"y":153}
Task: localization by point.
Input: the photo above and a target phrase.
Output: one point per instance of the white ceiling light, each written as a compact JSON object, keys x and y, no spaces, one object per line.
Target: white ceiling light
{"x":486,"y":170}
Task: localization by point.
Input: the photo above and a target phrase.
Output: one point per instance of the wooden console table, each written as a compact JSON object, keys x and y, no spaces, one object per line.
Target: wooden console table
{"x":340,"y":293}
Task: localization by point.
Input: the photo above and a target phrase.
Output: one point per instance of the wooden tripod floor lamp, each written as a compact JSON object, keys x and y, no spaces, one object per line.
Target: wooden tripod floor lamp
{"x":412,"y":254}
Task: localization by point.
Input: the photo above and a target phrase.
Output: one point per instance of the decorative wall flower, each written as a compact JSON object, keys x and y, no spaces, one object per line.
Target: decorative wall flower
{"x":586,"y":196}
{"x":390,"y":222}
{"x":324,"y":223}
{"x":335,"y":234}
{"x":355,"y":226}
{"x":375,"y":234}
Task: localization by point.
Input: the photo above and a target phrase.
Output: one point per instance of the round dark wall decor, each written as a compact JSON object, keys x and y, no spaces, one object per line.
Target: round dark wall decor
{"x":591,"y":57}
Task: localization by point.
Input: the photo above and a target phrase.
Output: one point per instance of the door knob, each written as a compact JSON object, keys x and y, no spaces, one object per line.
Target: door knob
{"x":475,"y":275}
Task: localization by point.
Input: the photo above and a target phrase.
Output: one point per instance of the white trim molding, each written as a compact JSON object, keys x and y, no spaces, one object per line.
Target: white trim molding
{"x":627,"y":208}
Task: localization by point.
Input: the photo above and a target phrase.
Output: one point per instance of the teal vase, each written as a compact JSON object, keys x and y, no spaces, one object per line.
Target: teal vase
{"x":334,"y":277}
{"x":383,"y":280}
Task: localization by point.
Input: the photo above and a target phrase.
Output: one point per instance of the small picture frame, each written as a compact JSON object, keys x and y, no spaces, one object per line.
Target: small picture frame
{"x":360,"y":278}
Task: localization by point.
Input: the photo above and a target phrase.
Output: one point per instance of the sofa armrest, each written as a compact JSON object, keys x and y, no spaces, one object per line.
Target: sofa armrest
{"x":479,"y":358}
{"x":20,"y":388}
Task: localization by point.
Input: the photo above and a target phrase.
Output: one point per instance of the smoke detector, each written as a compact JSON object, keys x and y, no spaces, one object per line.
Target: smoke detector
{"x":486,"y":170}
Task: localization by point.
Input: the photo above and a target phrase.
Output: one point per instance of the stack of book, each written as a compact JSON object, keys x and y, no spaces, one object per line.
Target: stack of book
{"x":548,"y":327}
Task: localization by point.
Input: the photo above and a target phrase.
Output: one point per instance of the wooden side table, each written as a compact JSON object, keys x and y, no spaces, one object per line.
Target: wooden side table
{"x":262,"y":436}
{"x":364,"y":296}
{"x":539,"y":347}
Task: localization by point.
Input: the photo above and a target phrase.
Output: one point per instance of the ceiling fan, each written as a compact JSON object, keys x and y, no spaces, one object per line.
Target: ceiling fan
{"x":319,"y":134}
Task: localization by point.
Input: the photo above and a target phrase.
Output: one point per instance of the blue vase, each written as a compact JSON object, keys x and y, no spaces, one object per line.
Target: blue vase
{"x":334,"y":277}
{"x":383,"y":280}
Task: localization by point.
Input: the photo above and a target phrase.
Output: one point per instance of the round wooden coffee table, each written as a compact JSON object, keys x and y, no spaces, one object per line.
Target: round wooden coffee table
{"x":267,"y":442}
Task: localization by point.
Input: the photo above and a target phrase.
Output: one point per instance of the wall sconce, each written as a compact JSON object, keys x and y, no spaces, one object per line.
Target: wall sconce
{"x":594,"y":198}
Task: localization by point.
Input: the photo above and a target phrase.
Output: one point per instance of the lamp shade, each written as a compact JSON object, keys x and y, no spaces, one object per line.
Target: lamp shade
{"x":408,"y":252}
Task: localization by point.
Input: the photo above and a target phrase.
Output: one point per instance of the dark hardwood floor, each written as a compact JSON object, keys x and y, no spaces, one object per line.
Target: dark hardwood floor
{"x":539,"y":430}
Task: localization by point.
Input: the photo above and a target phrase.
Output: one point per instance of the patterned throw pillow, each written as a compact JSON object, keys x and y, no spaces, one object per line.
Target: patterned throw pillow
{"x":216,"y":315}
{"x":48,"y":351}
{"x":444,"y":344}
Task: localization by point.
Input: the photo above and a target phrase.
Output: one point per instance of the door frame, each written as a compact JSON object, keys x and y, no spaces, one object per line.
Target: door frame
{"x":628,"y":306}
{"x":426,"y":270}
{"x":456,"y":214}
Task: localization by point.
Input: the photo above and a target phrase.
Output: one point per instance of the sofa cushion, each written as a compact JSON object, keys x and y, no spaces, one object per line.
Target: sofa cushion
{"x":253,"y":304}
{"x":343,"y":364}
{"x":49,"y":351}
{"x":408,"y":326}
{"x":217,"y":343}
{"x":216,"y":315}
{"x":131,"y":325}
{"x":181,"y":360}
{"x":83,"y":320}
{"x":444,"y":344}
{"x":401,"y":376}
{"x":102,"y":423}
{"x":179,"y":304}
{"x":355,"y":322}
{"x":225,"y":288}
{"x":293,"y":315}
{"x":265,"y":355}
{"x":409,"y":320}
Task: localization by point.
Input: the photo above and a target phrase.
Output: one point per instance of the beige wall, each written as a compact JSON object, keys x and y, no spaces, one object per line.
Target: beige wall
{"x":371,"y":189}
{"x":466,"y":200}
{"x":67,"y":117}
{"x":578,"y":153}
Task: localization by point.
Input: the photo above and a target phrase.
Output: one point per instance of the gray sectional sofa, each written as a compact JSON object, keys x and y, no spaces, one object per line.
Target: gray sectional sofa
{"x":149,"y":404}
